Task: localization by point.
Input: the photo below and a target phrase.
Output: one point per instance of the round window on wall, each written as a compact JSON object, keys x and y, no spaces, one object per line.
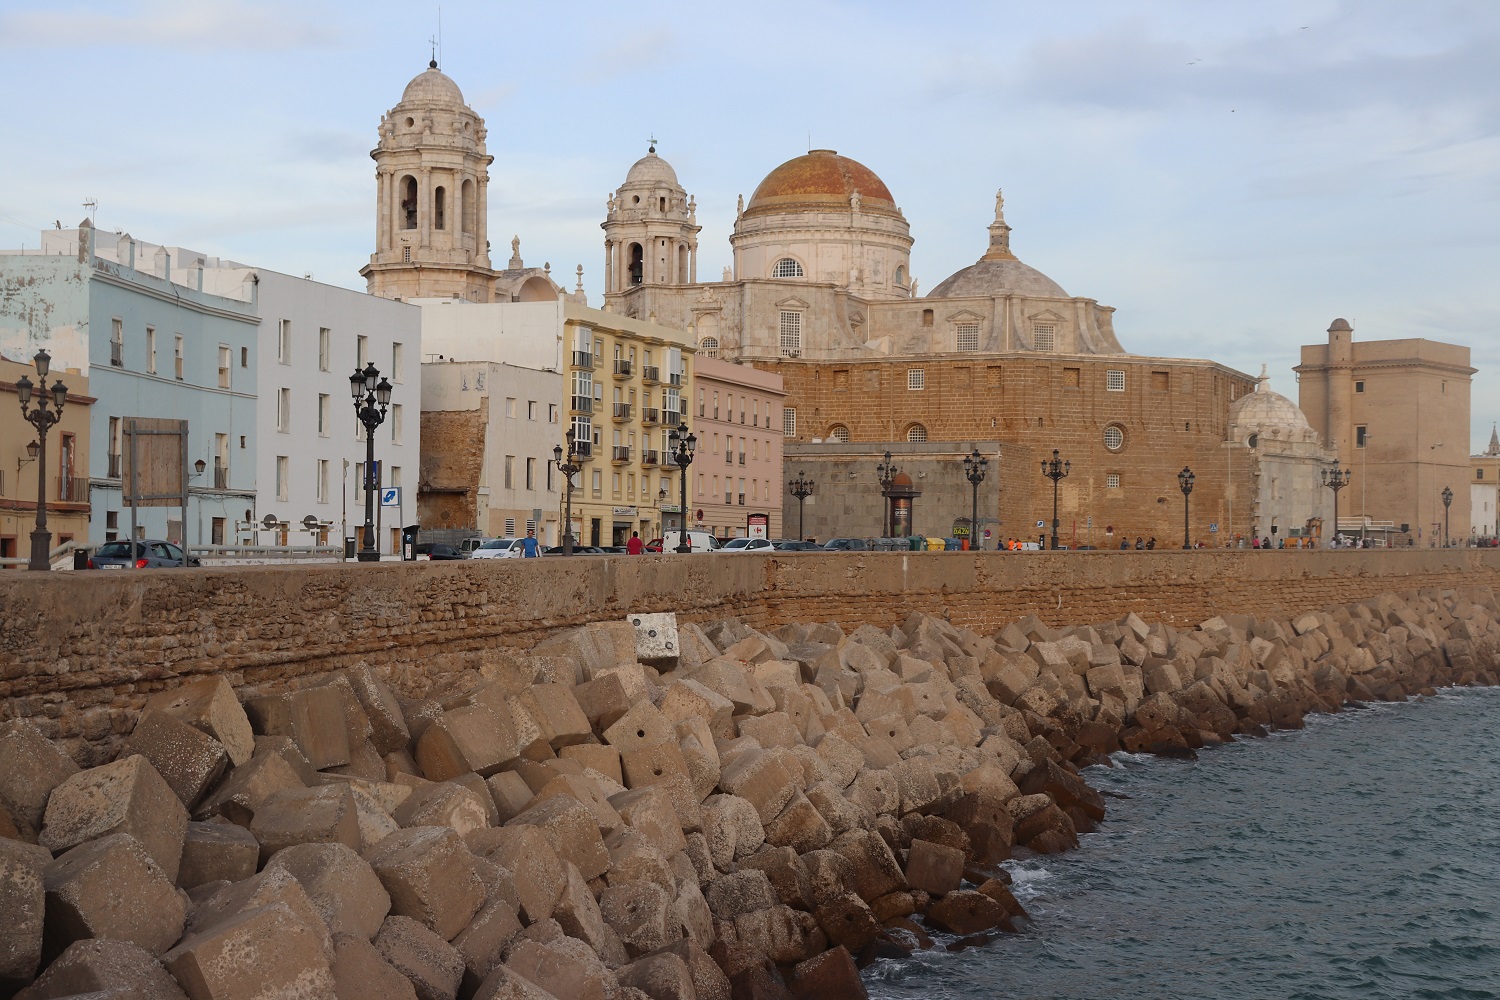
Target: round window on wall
{"x":1114,"y":437}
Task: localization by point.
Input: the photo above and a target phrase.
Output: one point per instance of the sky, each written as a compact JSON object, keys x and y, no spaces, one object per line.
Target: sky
{"x":1230,"y":176}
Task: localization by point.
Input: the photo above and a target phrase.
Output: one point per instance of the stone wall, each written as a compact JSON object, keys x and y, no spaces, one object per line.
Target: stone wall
{"x":80,"y":652}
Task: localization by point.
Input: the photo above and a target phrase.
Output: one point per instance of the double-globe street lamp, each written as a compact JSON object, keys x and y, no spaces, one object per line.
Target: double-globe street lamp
{"x":1447,"y":496}
{"x":682,"y":443}
{"x":1335,"y":479}
{"x":1185,"y":483}
{"x":569,"y":468}
{"x":974,"y":469}
{"x":42,"y":416}
{"x":885,"y":473}
{"x":371,"y":400}
{"x":801,"y":488}
{"x":1056,"y":470}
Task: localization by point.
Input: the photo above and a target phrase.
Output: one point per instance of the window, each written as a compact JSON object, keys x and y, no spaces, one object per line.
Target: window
{"x":284,"y":342}
{"x":244,"y":357}
{"x":283,"y":474}
{"x":709,"y":346}
{"x":398,"y":366}
{"x":510,"y":471}
{"x":1359,"y":386}
{"x":361,"y":350}
{"x":510,"y":407}
{"x":531,"y":409}
{"x":550,"y":467}
{"x":551,"y":413}
{"x":791,"y":334}
{"x":1044,"y":336}
{"x":839,"y":433}
{"x":323,"y":412}
{"x":916,"y":433}
{"x":225,"y":359}
{"x":325,"y":348}
{"x":151,"y":352}
{"x":966,"y":337}
{"x":117,"y":342}
{"x":598,"y":483}
{"x":786,"y":267}
{"x":916,"y":379}
{"x":1114,"y":437}
{"x":322,"y":480}
{"x":789,"y":421}
{"x":1359,"y":436}
{"x":439,"y":208}
{"x":926,"y":317}
{"x":283,"y":410}
{"x":510,"y":527}
{"x":397,"y":423}
{"x":177,"y":358}
{"x":359,"y":482}
{"x":1114,"y":381}
{"x":1112,"y":481}
{"x":531,"y":473}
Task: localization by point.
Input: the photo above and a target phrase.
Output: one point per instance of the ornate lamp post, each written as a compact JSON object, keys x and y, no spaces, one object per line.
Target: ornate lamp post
{"x":371,"y":400}
{"x":885,"y":472}
{"x":1185,"y":483}
{"x":801,"y":488}
{"x":683,"y":443}
{"x":42,"y":417}
{"x":1056,"y":470}
{"x":1335,"y":479}
{"x":1447,"y":496}
{"x":569,"y":469}
{"x":974,"y":470}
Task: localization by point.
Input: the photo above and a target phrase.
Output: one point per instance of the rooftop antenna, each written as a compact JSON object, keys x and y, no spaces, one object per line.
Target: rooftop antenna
{"x":91,"y":205}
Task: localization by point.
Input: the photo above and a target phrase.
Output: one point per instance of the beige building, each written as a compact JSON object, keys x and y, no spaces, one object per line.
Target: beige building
{"x":67,"y":481}
{"x":1484,"y":491}
{"x":738,"y":469}
{"x":1396,"y":413}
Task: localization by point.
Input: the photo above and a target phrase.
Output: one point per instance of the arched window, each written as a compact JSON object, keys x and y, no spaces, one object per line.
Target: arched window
{"x":710,"y":348}
{"x":439,"y":208}
{"x":786,"y":267}
{"x":839,"y":433}
{"x":468,"y":207}
{"x":916,"y":433}
{"x":408,"y":202}
{"x":682,"y":264}
{"x":900,"y":275}
{"x":637,"y":264}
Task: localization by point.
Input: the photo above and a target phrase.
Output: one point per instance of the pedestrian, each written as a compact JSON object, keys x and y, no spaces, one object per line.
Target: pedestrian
{"x":635,"y":546}
{"x":1151,"y":542}
{"x":1124,"y":544}
{"x":1139,"y":543}
{"x":529,"y":547}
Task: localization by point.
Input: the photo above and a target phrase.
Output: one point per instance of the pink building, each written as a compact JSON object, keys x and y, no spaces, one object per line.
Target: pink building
{"x":737,"y":471}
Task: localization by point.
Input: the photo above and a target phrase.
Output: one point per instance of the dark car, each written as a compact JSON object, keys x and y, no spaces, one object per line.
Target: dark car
{"x":846,"y":545}
{"x":439,"y":551}
{"x":793,"y":545}
{"x":150,"y":553}
{"x":578,"y":550}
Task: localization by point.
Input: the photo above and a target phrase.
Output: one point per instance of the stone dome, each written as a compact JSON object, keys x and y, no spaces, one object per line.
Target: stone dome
{"x":1270,"y":415}
{"x":652,"y":169}
{"x":821,"y":181}
{"x":901,"y":479}
{"x":432,"y":86}
{"x":998,"y":277}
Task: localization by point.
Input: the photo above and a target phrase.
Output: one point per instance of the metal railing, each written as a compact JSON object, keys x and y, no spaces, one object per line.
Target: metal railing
{"x":583,"y":404}
{"x":583,"y":359}
{"x":221,"y":477}
{"x":72,"y":489}
{"x":623,"y":367}
{"x":583,"y":449}
{"x":650,"y":415}
{"x":116,"y":354}
{"x":622,"y":454}
{"x":650,"y":373}
{"x":650,"y":458}
{"x":114,"y":466}
{"x":622,"y":411}
{"x":742,"y":458}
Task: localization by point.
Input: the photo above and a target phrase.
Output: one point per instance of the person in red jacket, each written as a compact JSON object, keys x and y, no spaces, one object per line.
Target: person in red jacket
{"x":635,"y":546}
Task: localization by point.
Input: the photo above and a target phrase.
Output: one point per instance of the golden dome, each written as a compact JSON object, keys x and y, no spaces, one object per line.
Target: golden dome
{"x":821,"y":181}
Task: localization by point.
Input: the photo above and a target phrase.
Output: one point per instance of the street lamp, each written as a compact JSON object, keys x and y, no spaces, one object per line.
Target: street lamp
{"x":974,"y":469}
{"x":801,"y":488}
{"x":1447,"y":496}
{"x":1335,"y":480}
{"x":569,"y":469}
{"x":1185,"y":483}
{"x":885,"y":472}
{"x":683,"y":443}
{"x":42,"y":417}
{"x":1055,"y":470}
{"x":371,"y":400}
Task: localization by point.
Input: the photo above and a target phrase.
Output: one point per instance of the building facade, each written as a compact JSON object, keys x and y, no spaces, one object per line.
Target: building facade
{"x":1290,"y":504}
{"x":738,"y":470}
{"x":66,"y":486}
{"x":1396,"y":413}
{"x":1484,"y":491}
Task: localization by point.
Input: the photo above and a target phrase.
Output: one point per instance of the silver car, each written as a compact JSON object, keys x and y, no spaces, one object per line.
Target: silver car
{"x":500,"y":548}
{"x":150,"y":553}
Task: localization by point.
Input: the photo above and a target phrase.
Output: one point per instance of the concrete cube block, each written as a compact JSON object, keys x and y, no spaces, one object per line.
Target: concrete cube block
{"x":557,"y":711}
{"x":733,"y":829}
{"x":111,"y":888}
{"x":936,"y":869}
{"x":799,"y":826}
{"x":210,"y":706}
{"x":829,"y":976}
{"x":643,"y":725}
{"x":561,"y":970}
{"x":778,"y":932}
{"x":838,"y":812}
{"x":341,"y":885}
{"x":31,"y":766}
{"x":650,"y":811}
{"x":873,"y":868}
{"x":702,"y":762}
{"x":828,"y":875}
{"x":503,"y":984}
{"x":362,"y":973}
{"x":966,"y":912}
{"x":99,"y":967}
{"x":596,"y":757}
{"x":573,"y":831}
{"x":444,"y":803}
{"x":375,"y":822}
{"x":526,"y":852}
{"x":265,"y":889}
{"x":475,"y":784}
{"x":688,"y":699}
{"x":760,"y":778}
{"x":356,"y":723}
{"x":663,"y":976}
{"x":484,"y":942}
{"x":577,"y":912}
{"x":593,"y":793}
{"x":510,"y":794}
{"x":656,"y":639}
{"x":217,"y":851}
{"x":749,"y":889}
{"x":472,"y":738}
{"x":286,"y":748}
{"x":268,"y":951}
{"x":841,"y":759}
{"x":603,"y":700}
{"x":847,"y":921}
{"x":127,"y":796}
{"x":429,"y":875}
{"x":313,"y":718}
{"x":634,"y":857}
{"x":247,"y":786}
{"x":22,"y":907}
{"x":323,"y":815}
{"x":641,"y":915}
{"x":188,"y":760}
{"x":432,"y":965}
{"x":387,"y":725}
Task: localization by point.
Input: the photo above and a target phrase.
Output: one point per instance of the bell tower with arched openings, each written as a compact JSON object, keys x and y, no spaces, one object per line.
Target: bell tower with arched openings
{"x":651,"y":231}
{"x":431,"y":171}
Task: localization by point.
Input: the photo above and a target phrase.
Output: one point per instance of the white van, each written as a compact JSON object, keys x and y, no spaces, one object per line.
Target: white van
{"x":701,"y":541}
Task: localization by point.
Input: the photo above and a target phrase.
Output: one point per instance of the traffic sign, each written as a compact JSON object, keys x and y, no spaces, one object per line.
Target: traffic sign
{"x":390,"y":496}
{"x":1214,"y":527}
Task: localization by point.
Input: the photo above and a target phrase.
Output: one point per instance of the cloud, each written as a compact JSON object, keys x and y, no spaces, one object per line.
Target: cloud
{"x":173,"y":24}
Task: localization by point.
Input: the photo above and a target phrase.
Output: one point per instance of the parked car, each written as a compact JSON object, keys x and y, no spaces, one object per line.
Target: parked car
{"x":578,"y":550}
{"x":654,"y":545}
{"x":747,"y":545}
{"x":500,"y":548}
{"x":846,"y":545}
{"x":699,"y":541}
{"x":150,"y":553}
{"x":439,"y":551}
{"x":793,"y":545}
{"x":471,"y":545}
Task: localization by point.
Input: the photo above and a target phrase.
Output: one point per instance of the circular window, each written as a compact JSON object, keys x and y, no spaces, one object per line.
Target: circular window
{"x":410,"y":122}
{"x":1114,"y":437}
{"x":916,"y":433}
{"x":1254,"y":441}
{"x":635,"y":199}
{"x":839,"y":433}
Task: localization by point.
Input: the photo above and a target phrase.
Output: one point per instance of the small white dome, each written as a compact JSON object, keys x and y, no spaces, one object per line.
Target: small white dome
{"x":1269,"y":414}
{"x":432,"y":86}
{"x":652,"y":169}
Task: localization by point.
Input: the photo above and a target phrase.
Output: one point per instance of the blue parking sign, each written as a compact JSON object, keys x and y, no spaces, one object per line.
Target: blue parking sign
{"x":390,"y":496}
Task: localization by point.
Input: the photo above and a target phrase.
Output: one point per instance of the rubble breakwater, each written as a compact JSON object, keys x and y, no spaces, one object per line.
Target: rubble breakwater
{"x":640,"y":808}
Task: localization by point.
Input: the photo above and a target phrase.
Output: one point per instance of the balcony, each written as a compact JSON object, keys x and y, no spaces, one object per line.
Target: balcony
{"x":650,"y":415}
{"x":650,"y":374}
{"x":582,"y":404}
{"x":583,"y":359}
{"x":676,"y":378}
{"x":583,"y":449}
{"x":221,"y":477}
{"x":650,"y":458}
{"x":729,"y":498}
{"x":621,"y":455}
{"x":73,"y":489}
{"x":117,"y":354}
{"x":742,"y":458}
{"x":623,"y":412}
{"x":742,"y":499}
{"x":623,"y":367}
{"x":114,"y":467}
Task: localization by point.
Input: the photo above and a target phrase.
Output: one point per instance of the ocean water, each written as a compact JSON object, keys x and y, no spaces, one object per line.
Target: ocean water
{"x":1359,"y":858}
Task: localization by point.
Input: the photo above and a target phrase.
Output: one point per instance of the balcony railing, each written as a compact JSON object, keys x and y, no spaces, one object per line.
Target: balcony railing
{"x":650,"y":415}
{"x":583,"y":404}
{"x":729,"y":498}
{"x":621,"y":455}
{"x":583,"y":359}
{"x":742,"y":458}
{"x":73,"y":489}
{"x":583,"y":449}
{"x":623,"y":367}
{"x":114,"y":467}
{"x":623,"y":411}
{"x":742,"y":499}
{"x":650,"y":458}
{"x":221,"y":477}
{"x":117,"y":354}
{"x":650,"y":373}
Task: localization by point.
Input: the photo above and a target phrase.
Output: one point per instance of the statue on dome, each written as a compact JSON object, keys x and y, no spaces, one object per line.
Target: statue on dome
{"x":999,"y":205}
{"x":740,"y":209}
{"x":854,"y":201}
{"x":612,"y":203}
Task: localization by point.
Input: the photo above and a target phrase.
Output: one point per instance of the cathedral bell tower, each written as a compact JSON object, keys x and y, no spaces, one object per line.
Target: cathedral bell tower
{"x":431,"y":173}
{"x":651,"y":231}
